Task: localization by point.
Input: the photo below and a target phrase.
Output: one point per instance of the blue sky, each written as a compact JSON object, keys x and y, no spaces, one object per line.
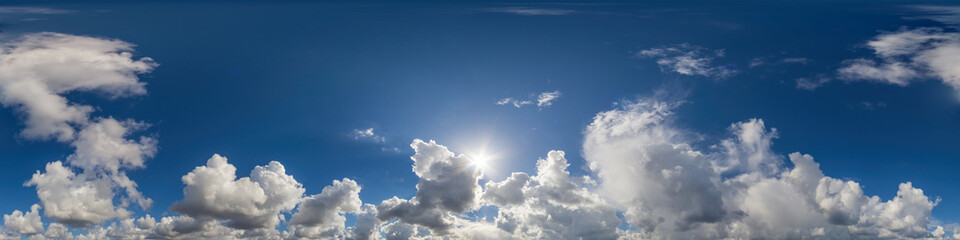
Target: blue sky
{"x":301,"y":83}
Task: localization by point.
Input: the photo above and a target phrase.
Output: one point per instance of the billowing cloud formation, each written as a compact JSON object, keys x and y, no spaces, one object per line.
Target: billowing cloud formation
{"x":739,"y":191}
{"x":24,"y":223}
{"x":542,"y":100}
{"x":909,"y":55}
{"x":214,"y":192}
{"x":448,"y":184}
{"x":35,"y":71}
{"x":321,"y":215}
{"x":687,"y":59}
{"x":551,"y":205}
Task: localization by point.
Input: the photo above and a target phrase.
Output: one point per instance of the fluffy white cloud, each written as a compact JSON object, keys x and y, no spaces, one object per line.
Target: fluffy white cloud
{"x":448,"y":184}
{"x":907,"y":56}
{"x":214,"y":192}
{"x":551,"y":205}
{"x":37,"y":69}
{"x":24,"y":223}
{"x":322,"y":215}
{"x":103,"y":145}
{"x":687,"y":59}
{"x":76,"y":199}
{"x":542,"y":100}
{"x":667,"y":189}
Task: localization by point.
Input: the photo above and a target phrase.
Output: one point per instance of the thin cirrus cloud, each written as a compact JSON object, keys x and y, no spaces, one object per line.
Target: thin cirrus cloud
{"x":531,"y":11}
{"x":686,"y":59}
{"x":542,"y":100}
{"x":33,"y":10}
{"x":643,"y":173}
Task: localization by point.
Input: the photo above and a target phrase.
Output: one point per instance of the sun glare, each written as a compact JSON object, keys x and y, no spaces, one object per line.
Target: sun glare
{"x":480,"y":160}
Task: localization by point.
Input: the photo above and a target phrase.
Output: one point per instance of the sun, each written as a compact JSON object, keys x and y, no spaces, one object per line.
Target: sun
{"x":479,"y":160}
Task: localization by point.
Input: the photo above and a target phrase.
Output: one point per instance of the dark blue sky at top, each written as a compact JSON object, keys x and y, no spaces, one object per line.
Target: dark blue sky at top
{"x":258,"y":81}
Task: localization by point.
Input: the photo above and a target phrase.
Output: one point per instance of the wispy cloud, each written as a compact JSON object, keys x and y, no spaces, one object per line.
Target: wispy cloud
{"x":688,"y":59}
{"x":811,"y":83}
{"x":542,"y":100}
{"x":33,"y":10}
{"x":906,"y":56}
{"x":532,"y":11}
{"x":943,"y":14}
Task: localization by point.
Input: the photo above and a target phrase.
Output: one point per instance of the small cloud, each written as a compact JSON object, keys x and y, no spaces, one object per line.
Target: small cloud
{"x":367,"y":134}
{"x":543,"y":100}
{"x":799,"y":60}
{"x":33,"y":10}
{"x":389,"y":149}
{"x":546,"y":99}
{"x":514,"y":102}
{"x":688,"y":59}
{"x":868,"y":105}
{"x":756,"y":62}
{"x":762,"y":61}
{"x":873,"y":105}
{"x":811,"y":83}
{"x":530,"y":11}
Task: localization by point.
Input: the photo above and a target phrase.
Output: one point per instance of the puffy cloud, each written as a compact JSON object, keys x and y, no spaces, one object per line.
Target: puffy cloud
{"x":103,"y":145}
{"x":907,"y":56}
{"x":367,"y":226}
{"x":321,"y":215}
{"x":749,"y":150}
{"x":542,"y":100}
{"x":507,"y":192}
{"x":448,"y":184}
{"x":687,"y":59}
{"x":672,"y":186}
{"x":76,"y":199}
{"x":37,"y":69}
{"x":739,"y":190}
{"x":87,"y":197}
{"x":55,"y":231}
{"x":551,"y":205}
{"x":214,"y":192}
{"x":24,"y":223}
